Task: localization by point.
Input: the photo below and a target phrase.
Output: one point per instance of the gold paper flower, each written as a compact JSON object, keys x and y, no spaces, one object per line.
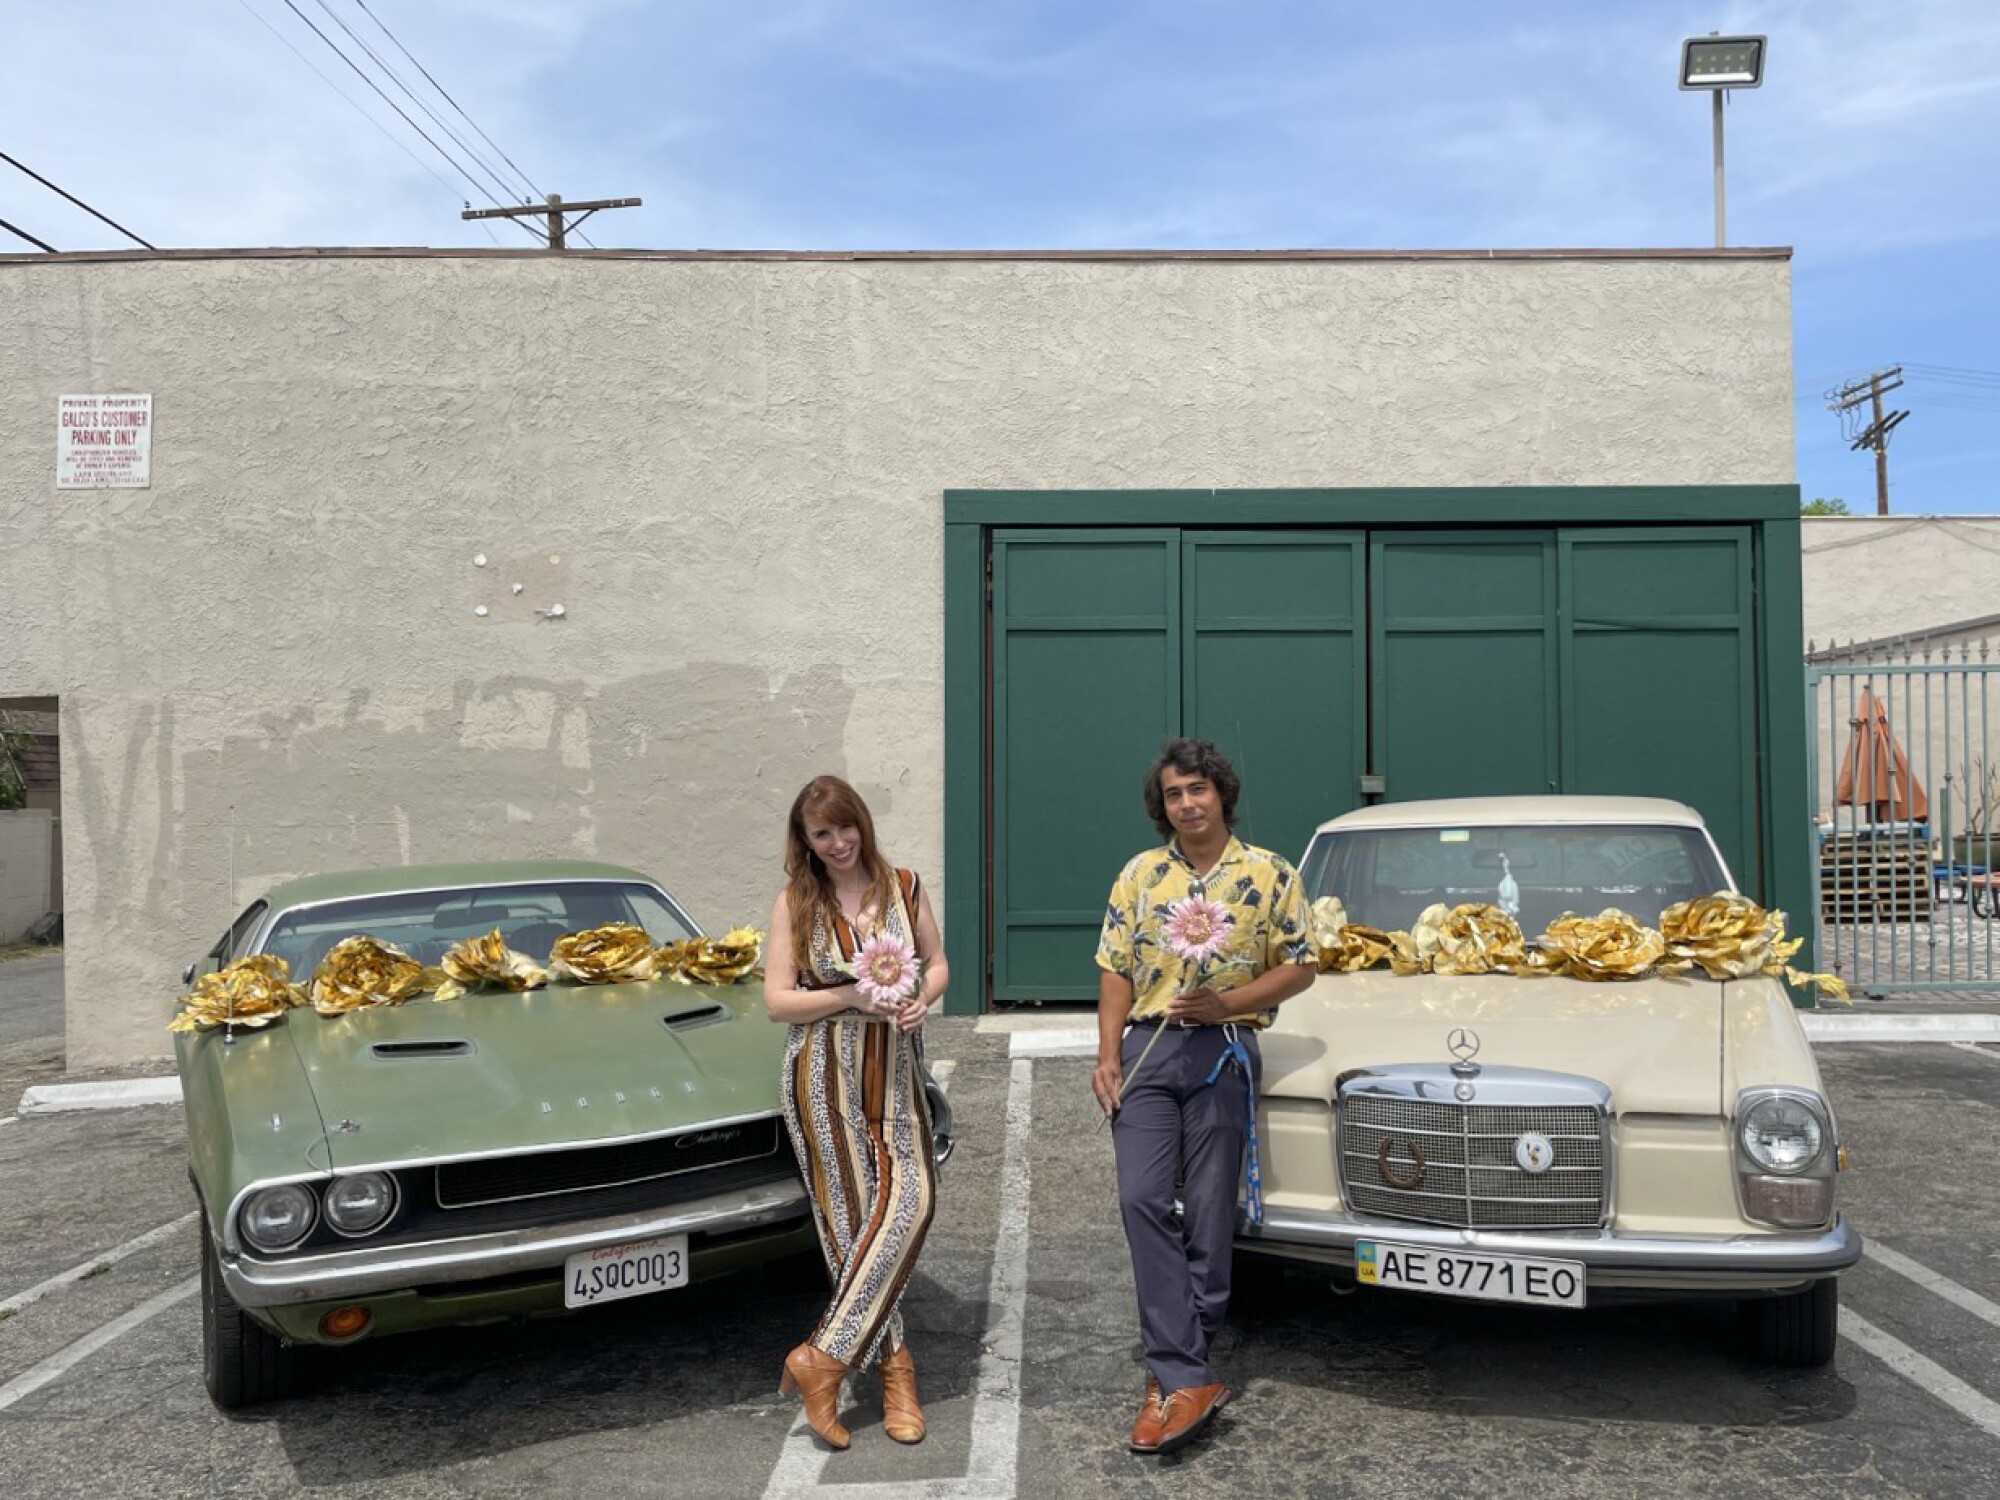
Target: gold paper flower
{"x":361,"y":971}
{"x":1345,"y":947}
{"x":488,"y":960}
{"x":250,"y":992}
{"x":1473,"y":938}
{"x":722,"y":960}
{"x":1732,"y":937}
{"x":1611,"y":945}
{"x":616,"y":953}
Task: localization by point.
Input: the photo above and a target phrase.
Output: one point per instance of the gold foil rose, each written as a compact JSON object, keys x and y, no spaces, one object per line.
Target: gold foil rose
{"x":359,"y":972}
{"x":250,"y":992}
{"x":722,"y":960}
{"x":488,"y":960}
{"x":1345,"y":947}
{"x":616,"y":953}
{"x":1731,"y":937}
{"x":1473,"y":938}
{"x":1611,"y":945}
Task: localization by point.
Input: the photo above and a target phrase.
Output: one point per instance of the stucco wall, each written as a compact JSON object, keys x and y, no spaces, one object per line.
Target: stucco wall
{"x":1867,"y":577}
{"x":728,"y":471}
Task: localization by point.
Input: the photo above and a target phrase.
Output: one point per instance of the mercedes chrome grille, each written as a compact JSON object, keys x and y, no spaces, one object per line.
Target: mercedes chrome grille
{"x":1527,"y":1151}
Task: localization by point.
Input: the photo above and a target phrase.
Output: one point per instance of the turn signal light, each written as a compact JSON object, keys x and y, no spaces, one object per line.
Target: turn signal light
{"x":345,"y":1323}
{"x":1794,"y":1202}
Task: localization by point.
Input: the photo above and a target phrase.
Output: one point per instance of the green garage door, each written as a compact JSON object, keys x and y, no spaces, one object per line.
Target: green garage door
{"x":1449,"y":663}
{"x":1464,"y":664}
{"x":1659,"y":674}
{"x":1106,"y":643}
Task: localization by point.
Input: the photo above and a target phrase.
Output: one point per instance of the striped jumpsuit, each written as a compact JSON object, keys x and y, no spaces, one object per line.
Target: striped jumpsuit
{"x":855,"y":1108}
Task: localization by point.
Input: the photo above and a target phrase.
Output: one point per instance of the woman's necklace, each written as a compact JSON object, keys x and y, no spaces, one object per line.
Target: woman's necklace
{"x":853,"y":906}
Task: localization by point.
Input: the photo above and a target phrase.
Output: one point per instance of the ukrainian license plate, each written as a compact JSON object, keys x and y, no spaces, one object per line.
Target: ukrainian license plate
{"x":629,"y":1270}
{"x":1474,"y":1274}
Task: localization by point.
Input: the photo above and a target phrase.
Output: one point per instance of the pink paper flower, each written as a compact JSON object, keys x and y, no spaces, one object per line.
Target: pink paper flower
{"x":1197,"y":928}
{"x":885,"y":970}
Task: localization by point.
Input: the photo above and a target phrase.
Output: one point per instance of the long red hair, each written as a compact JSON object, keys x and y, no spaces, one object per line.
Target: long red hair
{"x":809,"y":897}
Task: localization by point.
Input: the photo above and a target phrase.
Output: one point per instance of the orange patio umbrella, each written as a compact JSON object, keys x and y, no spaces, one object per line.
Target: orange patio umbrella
{"x":1875,"y":774}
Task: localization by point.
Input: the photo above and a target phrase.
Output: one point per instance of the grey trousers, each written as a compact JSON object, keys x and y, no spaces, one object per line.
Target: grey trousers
{"x":1176,"y":1127}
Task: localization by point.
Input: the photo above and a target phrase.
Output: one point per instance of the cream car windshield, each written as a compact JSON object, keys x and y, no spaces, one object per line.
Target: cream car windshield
{"x":1385,"y":877}
{"x":425,"y":923}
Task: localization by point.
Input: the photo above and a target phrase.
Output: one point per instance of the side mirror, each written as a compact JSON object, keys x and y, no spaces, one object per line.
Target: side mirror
{"x":187,"y":975}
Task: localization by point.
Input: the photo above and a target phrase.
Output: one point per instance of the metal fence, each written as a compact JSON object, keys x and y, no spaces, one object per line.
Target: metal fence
{"x":1906,"y":789}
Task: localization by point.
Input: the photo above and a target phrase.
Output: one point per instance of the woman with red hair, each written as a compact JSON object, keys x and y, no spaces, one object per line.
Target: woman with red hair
{"x":853,"y":1091}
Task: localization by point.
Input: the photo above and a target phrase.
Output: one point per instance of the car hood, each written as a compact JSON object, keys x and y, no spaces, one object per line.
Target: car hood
{"x":1656,"y":1043}
{"x":566,"y":1065}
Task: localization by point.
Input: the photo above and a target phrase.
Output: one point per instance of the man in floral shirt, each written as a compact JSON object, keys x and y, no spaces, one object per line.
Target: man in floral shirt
{"x":1202,"y":939}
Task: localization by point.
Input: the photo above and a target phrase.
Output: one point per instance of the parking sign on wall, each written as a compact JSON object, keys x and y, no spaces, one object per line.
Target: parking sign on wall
{"x":104,"y":442}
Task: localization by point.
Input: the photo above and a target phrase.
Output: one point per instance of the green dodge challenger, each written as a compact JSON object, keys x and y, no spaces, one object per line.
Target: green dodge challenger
{"x":496,"y":1155}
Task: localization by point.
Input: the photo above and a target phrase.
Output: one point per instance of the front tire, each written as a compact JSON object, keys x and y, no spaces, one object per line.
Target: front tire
{"x":1798,"y":1329}
{"x":242,"y":1362}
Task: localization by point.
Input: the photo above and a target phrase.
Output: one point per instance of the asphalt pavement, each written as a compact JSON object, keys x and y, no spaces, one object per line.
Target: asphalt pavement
{"x":31,"y":1025}
{"x":1021,"y":1321}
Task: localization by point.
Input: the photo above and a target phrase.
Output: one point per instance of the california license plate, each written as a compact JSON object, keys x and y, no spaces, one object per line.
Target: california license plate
{"x":629,"y":1270}
{"x":1470,"y":1273}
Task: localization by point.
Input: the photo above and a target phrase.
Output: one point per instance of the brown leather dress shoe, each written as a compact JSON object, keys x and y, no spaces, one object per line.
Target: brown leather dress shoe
{"x":902,"y":1415}
{"x":1151,"y":1420}
{"x":1187,"y":1411}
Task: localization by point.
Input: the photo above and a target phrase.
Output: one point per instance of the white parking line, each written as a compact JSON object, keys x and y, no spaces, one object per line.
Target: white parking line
{"x":52,"y":1368}
{"x":9,"y":1120}
{"x":1973,"y":1047}
{"x":994,"y":1459}
{"x":1931,"y":1281}
{"x":96,"y":1263}
{"x":1926,"y":1374}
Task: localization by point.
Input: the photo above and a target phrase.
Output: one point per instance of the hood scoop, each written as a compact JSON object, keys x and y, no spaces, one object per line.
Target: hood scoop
{"x":694,"y":1016}
{"x":423,"y":1048}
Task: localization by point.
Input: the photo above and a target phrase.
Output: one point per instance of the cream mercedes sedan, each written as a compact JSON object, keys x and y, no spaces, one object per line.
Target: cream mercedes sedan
{"x":1525,"y":1135}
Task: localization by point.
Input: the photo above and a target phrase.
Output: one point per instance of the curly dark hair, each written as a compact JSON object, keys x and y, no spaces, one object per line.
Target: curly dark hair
{"x":1192,"y":757}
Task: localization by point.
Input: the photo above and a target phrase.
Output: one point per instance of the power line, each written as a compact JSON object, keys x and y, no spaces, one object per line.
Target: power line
{"x":77,"y":201}
{"x":355,"y":105}
{"x":363,"y":76}
{"x":448,"y":98}
{"x":445,"y":93}
{"x":43,"y":244}
{"x":394,"y":77}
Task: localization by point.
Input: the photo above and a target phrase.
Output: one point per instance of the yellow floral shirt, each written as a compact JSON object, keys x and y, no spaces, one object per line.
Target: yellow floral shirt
{"x":1259,"y":921}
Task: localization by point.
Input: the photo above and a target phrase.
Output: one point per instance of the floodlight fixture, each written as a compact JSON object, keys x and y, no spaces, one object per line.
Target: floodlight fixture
{"x":1722,"y":62}
{"x":1718,"y":64}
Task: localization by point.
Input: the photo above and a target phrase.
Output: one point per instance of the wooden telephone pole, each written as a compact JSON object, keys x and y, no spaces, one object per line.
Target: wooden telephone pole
{"x":556,"y":211}
{"x":1876,"y":434}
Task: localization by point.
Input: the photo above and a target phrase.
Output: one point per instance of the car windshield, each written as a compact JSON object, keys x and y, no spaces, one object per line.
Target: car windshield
{"x":1385,"y":877}
{"x":426,"y":923}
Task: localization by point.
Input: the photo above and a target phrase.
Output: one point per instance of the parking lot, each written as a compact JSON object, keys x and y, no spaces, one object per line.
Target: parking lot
{"x":1021,"y":1321}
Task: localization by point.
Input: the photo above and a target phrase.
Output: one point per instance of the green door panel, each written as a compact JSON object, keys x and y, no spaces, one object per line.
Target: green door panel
{"x":1274,"y":672}
{"x":1659,"y":674}
{"x":1086,"y":684}
{"x":1464,"y":663}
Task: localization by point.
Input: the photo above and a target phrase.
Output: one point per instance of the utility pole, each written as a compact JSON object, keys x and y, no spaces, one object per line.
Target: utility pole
{"x":555,"y":210}
{"x":1876,"y":434}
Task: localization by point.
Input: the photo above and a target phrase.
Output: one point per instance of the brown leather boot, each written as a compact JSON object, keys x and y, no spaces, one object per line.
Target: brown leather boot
{"x":902,"y":1417}
{"x":815,"y":1375}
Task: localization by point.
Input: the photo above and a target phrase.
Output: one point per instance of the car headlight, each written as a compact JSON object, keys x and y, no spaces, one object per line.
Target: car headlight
{"x":280,"y":1217}
{"x":1782,"y":1133}
{"x":360,"y":1204}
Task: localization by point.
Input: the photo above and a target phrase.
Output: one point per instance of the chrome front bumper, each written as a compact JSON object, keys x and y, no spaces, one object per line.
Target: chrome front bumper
{"x":361,"y":1272}
{"x":1611,"y":1260}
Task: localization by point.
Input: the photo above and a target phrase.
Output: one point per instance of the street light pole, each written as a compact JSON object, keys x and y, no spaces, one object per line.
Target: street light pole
{"x":1719,"y":64}
{"x":1721,"y":238}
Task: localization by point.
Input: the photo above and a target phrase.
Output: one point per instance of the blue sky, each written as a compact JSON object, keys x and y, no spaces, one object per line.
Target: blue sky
{"x":1873,"y":149}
